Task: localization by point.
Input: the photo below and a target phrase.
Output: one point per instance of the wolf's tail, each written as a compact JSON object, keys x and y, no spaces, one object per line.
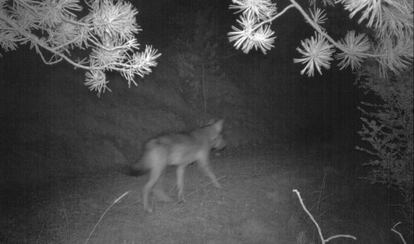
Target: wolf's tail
{"x":138,"y":169}
{"x":143,"y":165}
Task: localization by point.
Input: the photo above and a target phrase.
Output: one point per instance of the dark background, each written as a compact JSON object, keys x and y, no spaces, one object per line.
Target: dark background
{"x":48,"y":115}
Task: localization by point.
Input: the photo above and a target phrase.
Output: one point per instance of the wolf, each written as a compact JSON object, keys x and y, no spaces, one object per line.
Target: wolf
{"x":180,"y":150}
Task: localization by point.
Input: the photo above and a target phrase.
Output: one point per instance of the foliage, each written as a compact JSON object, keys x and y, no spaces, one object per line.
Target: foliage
{"x":388,"y":129}
{"x":54,"y":29}
{"x":382,"y":55}
{"x":391,"y":45}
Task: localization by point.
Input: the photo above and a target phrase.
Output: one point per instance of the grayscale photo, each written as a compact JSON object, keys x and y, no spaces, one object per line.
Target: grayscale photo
{"x":206,"y":121}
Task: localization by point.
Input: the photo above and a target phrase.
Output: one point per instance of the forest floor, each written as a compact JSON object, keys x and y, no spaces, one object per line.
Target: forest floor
{"x":256,"y":205}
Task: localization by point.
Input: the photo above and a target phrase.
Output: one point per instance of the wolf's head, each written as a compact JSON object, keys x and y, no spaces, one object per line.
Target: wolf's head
{"x":216,"y":138}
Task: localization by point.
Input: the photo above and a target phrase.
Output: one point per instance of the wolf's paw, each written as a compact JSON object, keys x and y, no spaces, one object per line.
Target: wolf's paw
{"x":148,"y":209}
{"x":217,"y":185}
{"x":181,"y":200}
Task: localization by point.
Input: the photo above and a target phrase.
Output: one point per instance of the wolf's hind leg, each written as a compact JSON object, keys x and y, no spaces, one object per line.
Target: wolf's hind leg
{"x":180,"y":182}
{"x":154,"y":176}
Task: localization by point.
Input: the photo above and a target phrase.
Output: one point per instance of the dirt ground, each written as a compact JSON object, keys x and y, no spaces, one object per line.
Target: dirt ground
{"x":256,"y":205}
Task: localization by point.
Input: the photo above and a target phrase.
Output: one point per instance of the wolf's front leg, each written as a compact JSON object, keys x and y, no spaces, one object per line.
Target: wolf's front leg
{"x":153,"y":178}
{"x":180,"y":182}
{"x":205,"y":167}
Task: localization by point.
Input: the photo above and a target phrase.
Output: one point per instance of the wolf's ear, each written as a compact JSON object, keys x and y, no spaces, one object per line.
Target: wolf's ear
{"x":219,"y":125}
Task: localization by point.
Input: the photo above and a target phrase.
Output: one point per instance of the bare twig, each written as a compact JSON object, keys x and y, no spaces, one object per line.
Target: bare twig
{"x":65,"y":215}
{"x":40,"y":232}
{"x":106,"y":210}
{"x":322,"y":190}
{"x":323,"y":240}
{"x":398,"y":233}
